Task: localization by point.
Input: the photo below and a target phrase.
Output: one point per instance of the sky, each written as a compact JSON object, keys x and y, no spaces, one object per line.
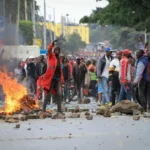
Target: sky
{"x":75,"y":8}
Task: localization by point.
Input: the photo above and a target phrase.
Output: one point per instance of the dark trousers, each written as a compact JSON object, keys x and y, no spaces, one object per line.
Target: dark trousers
{"x":57,"y":96}
{"x":66,"y":90}
{"x":115,"y":89}
{"x":31,"y":84}
{"x":140,"y":94}
{"x":148,"y":95}
{"x":93,"y":88}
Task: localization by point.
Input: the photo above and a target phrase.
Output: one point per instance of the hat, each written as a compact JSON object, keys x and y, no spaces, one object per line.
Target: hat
{"x":31,"y":57}
{"x":61,"y":55}
{"x":108,"y":49}
{"x":126,"y":52}
{"x":77,"y":57}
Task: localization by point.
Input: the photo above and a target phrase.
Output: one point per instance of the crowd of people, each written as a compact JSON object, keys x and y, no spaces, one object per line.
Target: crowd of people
{"x":108,"y":79}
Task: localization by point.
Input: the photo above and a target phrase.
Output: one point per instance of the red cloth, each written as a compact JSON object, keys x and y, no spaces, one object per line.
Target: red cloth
{"x":126,"y":52}
{"x":39,"y":85}
{"x":125,"y":66}
{"x":52,"y":64}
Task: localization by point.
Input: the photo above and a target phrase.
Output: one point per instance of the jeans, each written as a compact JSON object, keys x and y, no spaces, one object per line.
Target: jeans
{"x":57,"y":97}
{"x":93,"y":88}
{"x":106,"y":90}
{"x":141,"y":94}
{"x":148,"y":95}
{"x":66,"y":90}
{"x":125,"y":92}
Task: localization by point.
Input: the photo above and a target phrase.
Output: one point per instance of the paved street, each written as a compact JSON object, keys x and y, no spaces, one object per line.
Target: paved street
{"x":77,"y":134}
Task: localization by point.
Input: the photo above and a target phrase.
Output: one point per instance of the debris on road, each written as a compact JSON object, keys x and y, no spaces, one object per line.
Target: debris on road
{"x":17,"y":126}
{"x":87,"y":114}
{"x":74,"y":115}
{"x":84,"y":101}
{"x":136,"y":117}
{"x":58,"y":116}
{"x":126,"y":107}
{"x":104,"y":111}
{"x":146,"y":115}
{"x":77,"y":109}
{"x":11,"y":120}
{"x":89,"y":117}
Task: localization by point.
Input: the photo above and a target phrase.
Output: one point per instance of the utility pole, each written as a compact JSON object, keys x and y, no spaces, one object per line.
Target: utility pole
{"x":44,"y":24}
{"x":50,"y":31}
{"x":54,"y":24}
{"x":145,"y":35}
{"x":33,"y":20}
{"x":26,"y":9}
{"x":18,"y":20}
{"x":4,"y":8}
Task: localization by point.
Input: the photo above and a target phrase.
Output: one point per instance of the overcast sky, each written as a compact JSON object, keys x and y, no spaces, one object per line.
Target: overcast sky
{"x":75,"y":8}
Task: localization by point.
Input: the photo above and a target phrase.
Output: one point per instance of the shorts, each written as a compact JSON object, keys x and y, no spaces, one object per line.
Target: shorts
{"x":100,"y":88}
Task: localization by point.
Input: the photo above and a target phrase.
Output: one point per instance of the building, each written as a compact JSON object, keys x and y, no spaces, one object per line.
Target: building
{"x":66,"y":30}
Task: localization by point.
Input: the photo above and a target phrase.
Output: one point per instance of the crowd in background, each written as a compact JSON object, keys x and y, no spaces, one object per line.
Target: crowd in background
{"x":109,"y":79}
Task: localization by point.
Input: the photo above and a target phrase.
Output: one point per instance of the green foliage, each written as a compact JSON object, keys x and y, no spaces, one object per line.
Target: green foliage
{"x":26,"y":30}
{"x":74,"y":43}
{"x":11,"y":10}
{"x":133,"y":13}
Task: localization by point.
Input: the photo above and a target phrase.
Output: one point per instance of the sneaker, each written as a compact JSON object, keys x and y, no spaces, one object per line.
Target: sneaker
{"x":98,"y":104}
{"x":103,"y":106}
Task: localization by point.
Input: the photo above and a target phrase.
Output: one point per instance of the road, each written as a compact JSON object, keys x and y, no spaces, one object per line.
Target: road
{"x":77,"y":134}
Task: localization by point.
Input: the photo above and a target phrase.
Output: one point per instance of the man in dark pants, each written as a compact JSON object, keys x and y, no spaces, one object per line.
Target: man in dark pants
{"x":79,"y":71}
{"x":53,"y":78}
{"x":141,"y":78}
{"x":114,"y":76}
{"x":148,"y":83}
{"x":31,"y":75}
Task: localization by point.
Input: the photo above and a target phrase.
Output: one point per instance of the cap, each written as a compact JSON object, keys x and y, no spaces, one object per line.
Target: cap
{"x":61,"y":55}
{"x":77,"y":57}
{"x":31,"y":57}
{"x":108,"y":49}
{"x":126,"y":52}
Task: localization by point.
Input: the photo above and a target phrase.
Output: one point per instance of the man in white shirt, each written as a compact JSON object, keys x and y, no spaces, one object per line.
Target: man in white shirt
{"x":114,"y":76}
{"x":103,"y":74}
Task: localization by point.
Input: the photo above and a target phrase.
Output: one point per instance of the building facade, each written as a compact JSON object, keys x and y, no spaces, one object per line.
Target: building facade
{"x":67,"y":30}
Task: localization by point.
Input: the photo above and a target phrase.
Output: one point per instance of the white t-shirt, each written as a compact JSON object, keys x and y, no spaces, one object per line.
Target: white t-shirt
{"x":106,"y":68}
{"x":115,"y":63}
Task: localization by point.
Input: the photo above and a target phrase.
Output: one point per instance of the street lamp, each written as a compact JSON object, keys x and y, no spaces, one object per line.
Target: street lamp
{"x":67,"y":23}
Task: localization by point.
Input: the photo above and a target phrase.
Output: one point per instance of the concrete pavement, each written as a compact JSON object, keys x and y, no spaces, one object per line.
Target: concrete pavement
{"x":77,"y":134}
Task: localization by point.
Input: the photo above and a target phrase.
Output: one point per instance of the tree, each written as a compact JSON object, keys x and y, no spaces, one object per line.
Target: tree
{"x":74,"y":43}
{"x":133,"y":13}
{"x":11,"y":11}
{"x":26,"y":30}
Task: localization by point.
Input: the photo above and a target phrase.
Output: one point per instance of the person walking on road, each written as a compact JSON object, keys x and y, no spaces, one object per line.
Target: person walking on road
{"x":103,"y":74}
{"x":141,"y":77}
{"x":53,"y":78}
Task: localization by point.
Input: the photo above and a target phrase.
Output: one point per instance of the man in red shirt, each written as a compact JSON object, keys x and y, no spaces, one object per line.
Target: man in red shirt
{"x":53,"y":78}
{"x":125,"y":76}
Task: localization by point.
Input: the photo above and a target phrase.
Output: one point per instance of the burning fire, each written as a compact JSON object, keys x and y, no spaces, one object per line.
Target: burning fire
{"x":14,"y":93}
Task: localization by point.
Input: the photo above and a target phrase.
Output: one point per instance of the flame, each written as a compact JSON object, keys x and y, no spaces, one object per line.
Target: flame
{"x":14,"y":93}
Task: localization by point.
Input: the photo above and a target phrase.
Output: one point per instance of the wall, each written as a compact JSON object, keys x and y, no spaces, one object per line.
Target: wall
{"x":21,"y":52}
{"x":83,"y":31}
